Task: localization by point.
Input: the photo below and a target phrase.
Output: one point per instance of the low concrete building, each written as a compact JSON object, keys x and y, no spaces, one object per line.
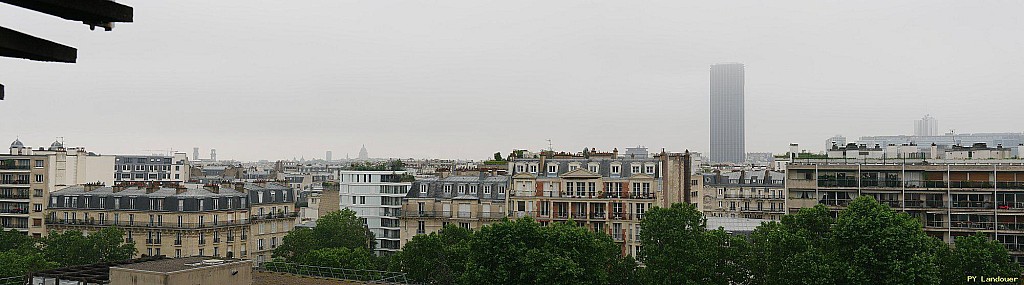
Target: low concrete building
{"x":183,"y":271}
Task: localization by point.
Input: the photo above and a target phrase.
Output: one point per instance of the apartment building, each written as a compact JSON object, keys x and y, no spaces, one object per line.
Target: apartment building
{"x":28,"y":176}
{"x":951,"y":198}
{"x":745,"y":194}
{"x":602,"y":191}
{"x":146,"y":168}
{"x":466,"y":201}
{"x":230,"y":220}
{"x":376,"y":197}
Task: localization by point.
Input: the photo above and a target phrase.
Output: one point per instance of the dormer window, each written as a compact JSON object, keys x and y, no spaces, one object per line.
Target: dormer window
{"x":649,"y":169}
{"x":448,"y":189}
{"x":472,"y":189}
{"x":462,"y":189}
{"x":635,"y":169}
{"x":552,"y":168}
{"x":423,"y":188}
{"x":616,"y":169}
{"x":533,"y":168}
{"x":594,"y":168}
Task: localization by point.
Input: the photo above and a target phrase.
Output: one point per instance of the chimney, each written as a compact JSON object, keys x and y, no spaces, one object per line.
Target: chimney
{"x":686,"y":176}
{"x":92,"y":186}
{"x":117,"y":188}
{"x":934,"y":152}
{"x":213,"y":188}
{"x":240,"y":187}
{"x":152,"y":187}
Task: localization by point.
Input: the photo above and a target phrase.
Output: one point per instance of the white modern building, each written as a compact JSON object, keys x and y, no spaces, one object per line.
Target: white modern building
{"x":28,"y":176}
{"x":376,"y":197}
{"x":152,"y":168}
{"x":927,"y":126}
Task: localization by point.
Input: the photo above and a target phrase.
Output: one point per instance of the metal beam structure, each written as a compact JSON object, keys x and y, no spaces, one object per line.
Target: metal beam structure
{"x":89,"y":11}
{"x":19,"y":45}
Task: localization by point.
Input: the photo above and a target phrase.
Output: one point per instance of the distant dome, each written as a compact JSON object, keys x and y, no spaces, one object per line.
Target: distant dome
{"x":17,"y":143}
{"x":56,"y":145}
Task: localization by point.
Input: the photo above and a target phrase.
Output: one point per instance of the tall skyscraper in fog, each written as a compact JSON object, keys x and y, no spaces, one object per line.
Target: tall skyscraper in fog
{"x":727,"y":134}
{"x":328,"y":155}
{"x":927,"y":126}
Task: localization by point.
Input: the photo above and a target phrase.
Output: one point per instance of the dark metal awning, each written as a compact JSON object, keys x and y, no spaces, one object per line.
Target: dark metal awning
{"x":19,"y":45}
{"x":96,"y":11}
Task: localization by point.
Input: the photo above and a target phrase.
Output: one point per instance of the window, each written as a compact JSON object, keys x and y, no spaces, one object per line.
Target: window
{"x":650,"y":169}
{"x":472,"y":189}
{"x":39,"y":193}
{"x":447,"y":188}
{"x":421,"y":227}
{"x":552,"y":169}
{"x":636,"y":169}
{"x":37,"y":207}
{"x":39,"y":178}
{"x":362,"y":200}
{"x":487,"y":189}
{"x":423,"y":188}
{"x":177,"y":253}
{"x":533,"y":168}
{"x":616,"y":169}
{"x":465,"y":225}
{"x":40,"y":164}
{"x":501,"y":190}
{"x":462,"y":189}
{"x":639,"y":211}
{"x":594,"y":168}
{"x":573,"y":167}
{"x":520,"y":168}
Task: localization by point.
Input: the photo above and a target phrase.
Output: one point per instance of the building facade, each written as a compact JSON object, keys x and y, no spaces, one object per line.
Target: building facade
{"x":27,"y":177}
{"x":727,"y":113}
{"x":745,"y":194}
{"x":927,"y":126}
{"x":376,"y":197}
{"x":230,"y":220}
{"x":604,"y":192}
{"x":466,"y":201}
{"x":146,"y":168}
{"x":950,"y":198}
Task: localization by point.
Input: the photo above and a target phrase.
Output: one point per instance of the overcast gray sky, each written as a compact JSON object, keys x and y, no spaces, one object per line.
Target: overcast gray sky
{"x":463,"y":79}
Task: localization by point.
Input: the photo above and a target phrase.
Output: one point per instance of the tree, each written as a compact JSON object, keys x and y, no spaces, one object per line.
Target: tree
{"x":880,"y":246}
{"x":678,"y":249}
{"x":340,"y":257}
{"x":18,"y":263}
{"x":523,"y":252}
{"x":74,"y":248}
{"x":17,"y":241}
{"x":339,"y":229}
{"x":497,"y":156}
{"x":975,"y":255}
{"x":793,"y":251}
{"x":437,"y":258}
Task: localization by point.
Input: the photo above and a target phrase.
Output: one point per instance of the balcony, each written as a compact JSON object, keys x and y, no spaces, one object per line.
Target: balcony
{"x":130,"y":224}
{"x":579,"y":216}
{"x":841,"y":183}
{"x":427,"y":214}
{"x":973,"y":205}
{"x":14,"y":196}
{"x":274,"y":216}
{"x":14,"y":182}
{"x":14,"y":211}
{"x":835,"y":202}
{"x":597,"y":215}
{"x":972,"y":225}
{"x":15,"y":167}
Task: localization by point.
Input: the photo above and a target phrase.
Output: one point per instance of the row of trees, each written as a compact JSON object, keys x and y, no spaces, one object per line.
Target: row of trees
{"x":21,"y":254}
{"x":867,"y":243}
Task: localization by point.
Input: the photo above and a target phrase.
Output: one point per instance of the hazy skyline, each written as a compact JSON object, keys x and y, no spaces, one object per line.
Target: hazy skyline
{"x":464,"y":79}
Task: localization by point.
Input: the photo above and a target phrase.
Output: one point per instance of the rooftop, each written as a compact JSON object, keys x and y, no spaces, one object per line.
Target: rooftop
{"x":179,"y":264}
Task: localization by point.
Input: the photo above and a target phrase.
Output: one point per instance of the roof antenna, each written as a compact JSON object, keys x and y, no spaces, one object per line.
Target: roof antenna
{"x":551,"y":149}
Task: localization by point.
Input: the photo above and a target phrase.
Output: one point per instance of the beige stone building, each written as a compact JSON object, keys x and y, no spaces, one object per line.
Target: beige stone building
{"x":465,"y":201}
{"x":745,"y":194}
{"x":244,"y":220}
{"x":606,"y":192}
